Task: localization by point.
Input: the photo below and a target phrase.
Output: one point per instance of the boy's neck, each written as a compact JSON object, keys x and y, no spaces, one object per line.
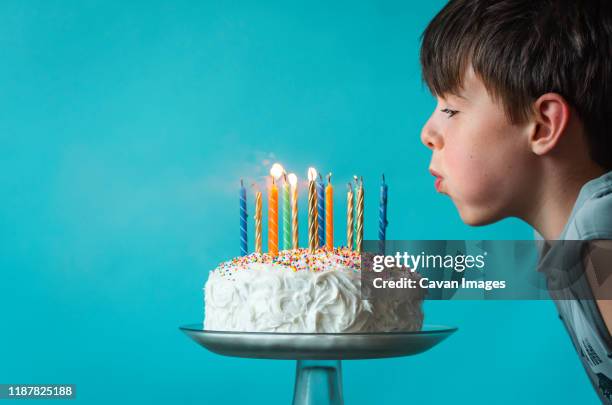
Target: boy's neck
{"x":555,"y":199}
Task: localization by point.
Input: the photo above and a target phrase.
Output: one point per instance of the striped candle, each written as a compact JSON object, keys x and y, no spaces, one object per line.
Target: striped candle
{"x":243,"y":220}
{"x":356,"y":180}
{"x":359,"y":233}
{"x":258,"y":212}
{"x":349,"y":217}
{"x":329,"y":214}
{"x":286,"y":214}
{"x":321,"y":211}
{"x":273,"y":220}
{"x":294,"y":209}
{"x":382,"y":216}
{"x":312,"y":210}
{"x":275,"y":172}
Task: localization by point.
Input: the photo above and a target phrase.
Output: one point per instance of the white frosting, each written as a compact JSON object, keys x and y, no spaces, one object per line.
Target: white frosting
{"x":267,"y":297}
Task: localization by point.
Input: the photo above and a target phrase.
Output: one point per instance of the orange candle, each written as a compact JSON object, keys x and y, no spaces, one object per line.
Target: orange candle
{"x":276,"y":171}
{"x":329,"y":214}
{"x":273,"y":220}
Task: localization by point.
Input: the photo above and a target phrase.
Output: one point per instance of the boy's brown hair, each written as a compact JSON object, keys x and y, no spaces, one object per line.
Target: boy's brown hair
{"x":522,"y":49}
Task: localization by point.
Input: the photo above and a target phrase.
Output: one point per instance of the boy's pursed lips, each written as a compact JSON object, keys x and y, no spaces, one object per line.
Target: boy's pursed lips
{"x":438,"y":177}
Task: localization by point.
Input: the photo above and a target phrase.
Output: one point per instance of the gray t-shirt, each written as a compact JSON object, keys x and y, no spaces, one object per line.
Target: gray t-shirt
{"x":591,"y":219}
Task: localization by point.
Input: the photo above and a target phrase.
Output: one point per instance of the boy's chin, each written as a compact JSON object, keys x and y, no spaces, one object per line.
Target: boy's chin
{"x":478,"y":216}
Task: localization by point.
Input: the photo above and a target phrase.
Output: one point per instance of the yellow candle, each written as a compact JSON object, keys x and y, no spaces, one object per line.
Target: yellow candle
{"x":258,"y":221}
{"x":329,"y":214}
{"x":349,"y":217}
{"x":312,"y":210}
{"x":359,"y":235}
{"x":294,"y":209}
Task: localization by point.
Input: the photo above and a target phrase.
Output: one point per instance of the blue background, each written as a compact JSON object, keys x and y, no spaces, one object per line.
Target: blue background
{"x":124,"y":129}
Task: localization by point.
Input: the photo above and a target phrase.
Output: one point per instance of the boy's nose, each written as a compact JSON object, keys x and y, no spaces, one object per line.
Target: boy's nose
{"x":430,"y":137}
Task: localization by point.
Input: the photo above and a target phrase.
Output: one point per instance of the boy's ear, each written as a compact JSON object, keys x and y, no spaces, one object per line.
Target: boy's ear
{"x":551,"y":117}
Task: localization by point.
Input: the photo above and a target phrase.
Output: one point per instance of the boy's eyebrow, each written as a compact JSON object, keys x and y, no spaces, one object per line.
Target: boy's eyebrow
{"x":456,"y":95}
{"x":460,"y":95}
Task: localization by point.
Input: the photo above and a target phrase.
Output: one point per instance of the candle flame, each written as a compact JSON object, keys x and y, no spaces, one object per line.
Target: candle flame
{"x":312,"y":174}
{"x":276,"y":170}
{"x":292,"y":179}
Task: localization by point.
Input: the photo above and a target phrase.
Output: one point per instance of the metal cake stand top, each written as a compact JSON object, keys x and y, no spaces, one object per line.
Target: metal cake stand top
{"x":318,"y":346}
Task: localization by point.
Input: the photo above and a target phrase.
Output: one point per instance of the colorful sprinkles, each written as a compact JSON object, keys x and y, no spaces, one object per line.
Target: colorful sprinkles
{"x":298,"y":260}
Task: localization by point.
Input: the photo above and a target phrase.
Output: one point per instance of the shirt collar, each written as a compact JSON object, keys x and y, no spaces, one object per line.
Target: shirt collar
{"x":589,"y":190}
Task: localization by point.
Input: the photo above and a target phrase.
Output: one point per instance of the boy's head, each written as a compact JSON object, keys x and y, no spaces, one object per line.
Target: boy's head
{"x":522,"y":89}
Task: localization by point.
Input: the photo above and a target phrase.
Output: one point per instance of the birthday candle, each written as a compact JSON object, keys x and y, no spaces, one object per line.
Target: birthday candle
{"x":243,"y":220}
{"x":356,"y":180}
{"x":329,"y":214}
{"x":321,"y":211}
{"x":273,"y":220}
{"x":275,"y":172}
{"x":294,"y":209}
{"x":349,"y":217}
{"x":359,"y":236}
{"x":286,"y":214}
{"x":382,"y":215}
{"x":258,"y":209}
{"x":312,"y":210}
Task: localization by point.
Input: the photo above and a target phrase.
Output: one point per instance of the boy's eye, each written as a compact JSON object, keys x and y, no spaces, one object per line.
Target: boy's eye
{"x":449,"y":112}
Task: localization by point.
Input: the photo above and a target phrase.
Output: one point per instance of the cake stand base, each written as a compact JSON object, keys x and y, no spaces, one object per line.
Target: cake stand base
{"x":318,"y":382}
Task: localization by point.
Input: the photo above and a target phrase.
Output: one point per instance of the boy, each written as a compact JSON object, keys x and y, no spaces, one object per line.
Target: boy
{"x":521,"y":130}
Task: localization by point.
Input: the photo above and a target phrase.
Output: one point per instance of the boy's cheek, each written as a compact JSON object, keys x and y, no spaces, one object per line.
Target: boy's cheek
{"x":472,"y":183}
{"x":477,"y":198}
{"x":466,"y":172}
{"x":472,"y":189}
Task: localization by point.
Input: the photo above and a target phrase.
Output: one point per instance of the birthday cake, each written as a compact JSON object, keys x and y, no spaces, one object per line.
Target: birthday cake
{"x":299,"y":291}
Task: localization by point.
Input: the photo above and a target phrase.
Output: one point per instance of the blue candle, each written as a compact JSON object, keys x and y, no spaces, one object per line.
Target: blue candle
{"x":382,"y":213}
{"x":243,"y":220}
{"x":321,"y":211}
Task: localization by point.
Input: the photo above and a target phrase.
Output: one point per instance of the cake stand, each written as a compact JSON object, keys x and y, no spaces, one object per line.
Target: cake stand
{"x":318,"y":378}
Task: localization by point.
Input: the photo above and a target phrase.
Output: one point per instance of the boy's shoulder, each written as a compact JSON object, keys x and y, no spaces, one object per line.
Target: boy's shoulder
{"x":592,"y":217}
